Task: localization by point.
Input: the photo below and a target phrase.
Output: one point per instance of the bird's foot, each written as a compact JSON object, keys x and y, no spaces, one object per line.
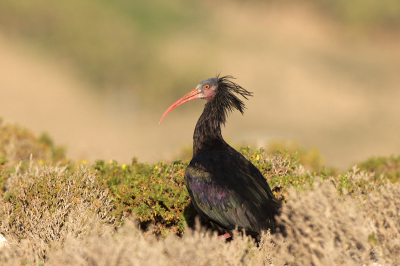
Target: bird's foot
{"x":224,"y":236}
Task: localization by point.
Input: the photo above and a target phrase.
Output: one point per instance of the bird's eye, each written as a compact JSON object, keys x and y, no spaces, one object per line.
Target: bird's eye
{"x":206,"y":86}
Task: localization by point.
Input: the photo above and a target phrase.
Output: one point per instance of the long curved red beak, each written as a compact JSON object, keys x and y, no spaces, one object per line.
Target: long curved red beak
{"x":192,"y":95}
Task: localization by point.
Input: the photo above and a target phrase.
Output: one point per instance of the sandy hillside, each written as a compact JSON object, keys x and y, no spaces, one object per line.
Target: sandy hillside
{"x":312,"y":81}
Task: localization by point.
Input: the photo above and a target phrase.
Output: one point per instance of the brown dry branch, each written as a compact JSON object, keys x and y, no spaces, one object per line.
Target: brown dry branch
{"x":382,"y":218}
{"x":44,"y":204}
{"x":129,"y":247}
{"x":319,"y":227}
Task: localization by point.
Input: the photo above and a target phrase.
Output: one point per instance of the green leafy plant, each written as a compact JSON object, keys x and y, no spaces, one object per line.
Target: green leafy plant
{"x":155,"y":193}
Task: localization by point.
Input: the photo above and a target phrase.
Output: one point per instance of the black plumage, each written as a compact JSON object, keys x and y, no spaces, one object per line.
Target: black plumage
{"x":224,"y":186}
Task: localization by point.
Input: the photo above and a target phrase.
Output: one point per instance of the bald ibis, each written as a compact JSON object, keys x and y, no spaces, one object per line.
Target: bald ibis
{"x":223,"y":185}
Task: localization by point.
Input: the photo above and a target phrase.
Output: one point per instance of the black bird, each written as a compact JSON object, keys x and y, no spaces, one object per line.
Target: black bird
{"x":224,"y":186}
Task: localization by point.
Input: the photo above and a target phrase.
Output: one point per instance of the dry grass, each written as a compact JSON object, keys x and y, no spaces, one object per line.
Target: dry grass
{"x":382,"y":218}
{"x":129,"y":247}
{"x":318,"y":227}
{"x":45,"y":204}
{"x":321,"y":228}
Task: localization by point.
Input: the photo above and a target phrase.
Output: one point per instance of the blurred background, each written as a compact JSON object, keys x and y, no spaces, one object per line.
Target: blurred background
{"x":98,"y":75}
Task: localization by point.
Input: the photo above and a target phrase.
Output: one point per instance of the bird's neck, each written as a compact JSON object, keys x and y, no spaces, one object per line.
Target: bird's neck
{"x":207,"y":133}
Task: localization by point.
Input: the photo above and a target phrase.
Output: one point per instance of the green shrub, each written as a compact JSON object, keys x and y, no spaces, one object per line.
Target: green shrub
{"x":389,"y":166}
{"x":155,"y":193}
{"x":283,"y":171}
{"x":17,"y":144}
{"x":158,"y":196}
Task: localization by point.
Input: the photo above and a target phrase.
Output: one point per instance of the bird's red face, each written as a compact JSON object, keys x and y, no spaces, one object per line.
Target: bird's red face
{"x":205,"y":90}
{"x":208,"y":91}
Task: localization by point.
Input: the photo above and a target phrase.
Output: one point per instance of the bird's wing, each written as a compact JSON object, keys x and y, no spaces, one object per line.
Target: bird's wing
{"x":228,"y":192}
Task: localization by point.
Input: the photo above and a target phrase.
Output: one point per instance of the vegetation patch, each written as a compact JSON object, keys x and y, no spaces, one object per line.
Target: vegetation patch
{"x":109,"y":212}
{"x":18,"y":143}
{"x":388,"y":166}
{"x":155,"y":193}
{"x":45,"y":204}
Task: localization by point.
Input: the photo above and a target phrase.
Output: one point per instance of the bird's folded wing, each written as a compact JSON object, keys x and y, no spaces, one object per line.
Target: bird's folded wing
{"x":230,"y":198}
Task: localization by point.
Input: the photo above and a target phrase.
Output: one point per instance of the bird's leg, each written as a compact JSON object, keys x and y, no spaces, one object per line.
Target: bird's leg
{"x":224,"y":236}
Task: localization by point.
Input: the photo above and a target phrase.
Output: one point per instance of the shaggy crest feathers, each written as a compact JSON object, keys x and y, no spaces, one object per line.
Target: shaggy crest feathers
{"x":225,"y":100}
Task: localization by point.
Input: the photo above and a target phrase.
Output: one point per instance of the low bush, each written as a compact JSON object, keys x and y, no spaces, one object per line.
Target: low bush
{"x":317,"y":227}
{"x":321,"y":227}
{"x":18,"y":143}
{"x":389,"y":166}
{"x":44,"y":204}
{"x":155,"y":193}
{"x":158,"y":196}
{"x":78,"y":216}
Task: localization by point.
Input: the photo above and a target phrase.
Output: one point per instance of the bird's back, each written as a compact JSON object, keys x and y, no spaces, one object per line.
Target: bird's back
{"x":230,"y":191}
